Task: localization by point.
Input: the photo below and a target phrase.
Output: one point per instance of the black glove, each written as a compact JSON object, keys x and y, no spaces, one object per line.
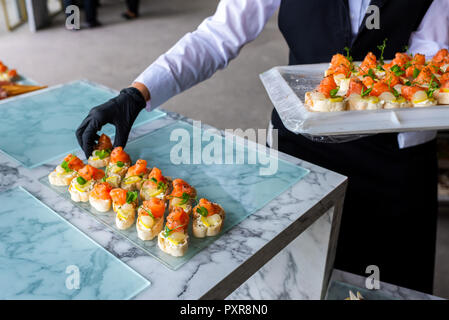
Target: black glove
{"x":120,"y":111}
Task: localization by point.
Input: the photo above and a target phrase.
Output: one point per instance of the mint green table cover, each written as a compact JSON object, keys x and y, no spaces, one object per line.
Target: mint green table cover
{"x":39,"y":250}
{"x":39,"y":127}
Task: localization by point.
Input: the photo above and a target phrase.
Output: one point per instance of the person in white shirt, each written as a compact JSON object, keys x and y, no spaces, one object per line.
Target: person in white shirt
{"x":378,"y":203}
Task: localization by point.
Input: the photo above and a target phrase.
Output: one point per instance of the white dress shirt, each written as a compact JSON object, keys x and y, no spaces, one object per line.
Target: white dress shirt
{"x":219,"y":38}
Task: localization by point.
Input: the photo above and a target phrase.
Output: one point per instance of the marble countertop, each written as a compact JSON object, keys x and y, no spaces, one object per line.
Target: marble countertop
{"x":223,"y":266}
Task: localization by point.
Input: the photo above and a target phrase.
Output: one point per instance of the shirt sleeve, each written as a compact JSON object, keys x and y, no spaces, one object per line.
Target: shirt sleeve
{"x":431,"y":36}
{"x":199,"y":54}
{"x":433,"y":32}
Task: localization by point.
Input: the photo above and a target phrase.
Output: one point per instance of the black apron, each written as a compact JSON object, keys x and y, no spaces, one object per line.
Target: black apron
{"x":390,"y":211}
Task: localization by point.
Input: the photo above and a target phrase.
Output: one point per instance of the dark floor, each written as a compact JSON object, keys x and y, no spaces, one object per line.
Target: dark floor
{"x":441,"y":282}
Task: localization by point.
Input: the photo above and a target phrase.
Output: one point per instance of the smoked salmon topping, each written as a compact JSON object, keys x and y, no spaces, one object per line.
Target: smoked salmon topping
{"x":101,"y":191}
{"x":444,"y":78}
{"x":419,"y":59}
{"x":12,"y":73}
{"x":118,"y":196}
{"x":88,"y":173}
{"x":180,"y":187}
{"x":327,"y":85}
{"x":339,"y":59}
{"x":340,"y":69}
{"x":177,"y":220}
{"x":370,"y":62}
{"x":425,"y":76}
{"x":441,"y":58}
{"x":355,"y":87}
{"x":339,"y":65}
{"x":408,"y":92}
{"x":445,"y":85}
{"x":156,"y":206}
{"x":119,"y":155}
{"x":379,"y":88}
{"x":368,"y":82}
{"x":138,"y":169}
{"x":391,"y":79}
{"x":413,"y":71}
{"x":155,"y":174}
{"x":210,"y":208}
{"x":104,"y":143}
{"x":72,"y":162}
{"x":401,"y":59}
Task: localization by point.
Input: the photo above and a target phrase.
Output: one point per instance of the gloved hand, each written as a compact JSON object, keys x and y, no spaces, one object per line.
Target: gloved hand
{"x":120,"y":111}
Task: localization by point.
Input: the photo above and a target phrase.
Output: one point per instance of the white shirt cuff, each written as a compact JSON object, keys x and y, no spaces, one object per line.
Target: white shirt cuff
{"x":411,"y":139}
{"x":160,"y":83}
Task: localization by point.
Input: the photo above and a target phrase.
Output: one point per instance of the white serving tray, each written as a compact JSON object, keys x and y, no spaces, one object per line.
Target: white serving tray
{"x":287,"y":85}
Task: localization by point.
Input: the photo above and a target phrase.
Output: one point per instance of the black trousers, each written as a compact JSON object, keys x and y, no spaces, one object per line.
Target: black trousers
{"x":90,"y":8}
{"x":133,"y":6}
{"x":390,"y":211}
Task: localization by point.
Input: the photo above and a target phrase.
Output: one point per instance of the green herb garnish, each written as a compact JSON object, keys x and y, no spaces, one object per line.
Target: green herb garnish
{"x":393,"y":90}
{"x":334,"y":92}
{"x":65,"y":166}
{"x":348,"y":56}
{"x":120,"y":164}
{"x":185,"y":198}
{"x":436,"y":69}
{"x":81,"y":180}
{"x":395,"y":93}
{"x":382,"y":49}
{"x":432,"y":87}
{"x":148,"y":211}
{"x":370,"y":74}
{"x":131,"y":196}
{"x":408,"y":83}
{"x":102,"y":153}
{"x":162,"y":186}
{"x":167,"y":230}
{"x":416,"y":73}
{"x":366,"y":92}
{"x":408,"y":65}
{"x":202,"y":211}
{"x":397,"y":70}
{"x":380,"y":68}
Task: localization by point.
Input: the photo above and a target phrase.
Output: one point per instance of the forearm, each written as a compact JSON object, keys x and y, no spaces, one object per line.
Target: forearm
{"x":143,"y":90}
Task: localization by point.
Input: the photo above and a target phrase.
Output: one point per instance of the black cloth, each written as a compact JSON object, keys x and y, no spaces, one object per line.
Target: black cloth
{"x":90,"y":8}
{"x":133,"y":6}
{"x":316,"y":30}
{"x":120,"y":111}
{"x":390,"y":211}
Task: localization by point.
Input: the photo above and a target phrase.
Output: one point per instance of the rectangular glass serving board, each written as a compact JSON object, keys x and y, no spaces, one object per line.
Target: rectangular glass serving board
{"x":238,"y":188}
{"x":42,"y":256}
{"x":286,"y":86}
{"x":39,"y":127}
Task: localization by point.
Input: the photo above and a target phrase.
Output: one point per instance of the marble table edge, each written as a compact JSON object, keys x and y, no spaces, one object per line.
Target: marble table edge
{"x":387,"y":289}
{"x":242,"y":273}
